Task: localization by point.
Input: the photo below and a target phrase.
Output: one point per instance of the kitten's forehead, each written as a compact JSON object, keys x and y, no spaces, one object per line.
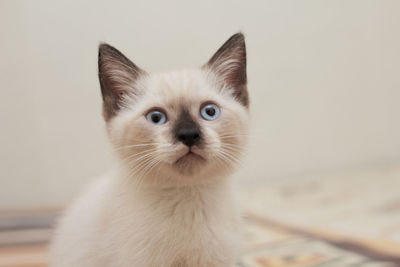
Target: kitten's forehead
{"x":179,"y":88}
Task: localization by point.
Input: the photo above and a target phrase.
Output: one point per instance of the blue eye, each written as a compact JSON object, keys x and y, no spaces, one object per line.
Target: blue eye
{"x":210,"y":112}
{"x":156,"y":117}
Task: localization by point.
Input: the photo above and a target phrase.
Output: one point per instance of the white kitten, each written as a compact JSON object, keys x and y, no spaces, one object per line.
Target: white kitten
{"x":178,"y":137}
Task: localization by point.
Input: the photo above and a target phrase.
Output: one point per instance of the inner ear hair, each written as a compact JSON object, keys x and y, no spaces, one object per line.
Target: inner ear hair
{"x":117,"y":76}
{"x":229,"y":65}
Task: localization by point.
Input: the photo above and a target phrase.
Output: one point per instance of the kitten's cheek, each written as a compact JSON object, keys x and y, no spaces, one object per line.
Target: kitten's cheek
{"x":212,"y":148}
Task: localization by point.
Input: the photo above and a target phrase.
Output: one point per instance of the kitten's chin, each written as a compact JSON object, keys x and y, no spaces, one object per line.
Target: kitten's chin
{"x":190,"y":162}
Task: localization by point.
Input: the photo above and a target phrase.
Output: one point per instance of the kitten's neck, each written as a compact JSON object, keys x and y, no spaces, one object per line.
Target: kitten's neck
{"x":171,"y":181}
{"x":182,"y":206}
{"x":211,"y":189}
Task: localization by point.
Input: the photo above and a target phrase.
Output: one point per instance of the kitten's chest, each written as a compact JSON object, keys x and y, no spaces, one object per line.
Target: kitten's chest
{"x":189,"y":216}
{"x":188,"y":228}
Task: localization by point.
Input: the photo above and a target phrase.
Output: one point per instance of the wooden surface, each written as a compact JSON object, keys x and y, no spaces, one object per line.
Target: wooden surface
{"x":340,"y":220}
{"x":264,"y":245}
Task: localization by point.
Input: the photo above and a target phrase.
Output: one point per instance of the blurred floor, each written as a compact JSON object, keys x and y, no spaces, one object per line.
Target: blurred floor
{"x":349,"y":219}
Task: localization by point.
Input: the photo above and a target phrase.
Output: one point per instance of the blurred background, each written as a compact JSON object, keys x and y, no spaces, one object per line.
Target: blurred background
{"x":321,"y":181}
{"x":323,"y":77}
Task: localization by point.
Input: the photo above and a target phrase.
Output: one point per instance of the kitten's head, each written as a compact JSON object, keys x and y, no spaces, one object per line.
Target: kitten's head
{"x":179,"y":127}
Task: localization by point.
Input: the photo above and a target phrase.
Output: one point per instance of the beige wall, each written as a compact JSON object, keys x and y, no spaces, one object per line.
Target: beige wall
{"x":323,"y":76}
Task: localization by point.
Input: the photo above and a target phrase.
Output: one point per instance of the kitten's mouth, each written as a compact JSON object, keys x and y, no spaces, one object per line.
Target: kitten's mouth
{"x":190,"y":157}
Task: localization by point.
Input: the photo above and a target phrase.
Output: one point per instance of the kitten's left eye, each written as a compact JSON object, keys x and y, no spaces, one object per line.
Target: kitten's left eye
{"x":157,"y":117}
{"x":210,"y":112}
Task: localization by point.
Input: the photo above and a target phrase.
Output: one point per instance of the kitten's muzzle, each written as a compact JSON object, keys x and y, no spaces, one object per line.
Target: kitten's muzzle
{"x":187,"y":130}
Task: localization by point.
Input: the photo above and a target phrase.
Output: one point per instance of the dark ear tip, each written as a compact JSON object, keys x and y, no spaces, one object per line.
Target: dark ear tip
{"x":237,"y":37}
{"x":104,"y":48}
{"x":109,"y":50}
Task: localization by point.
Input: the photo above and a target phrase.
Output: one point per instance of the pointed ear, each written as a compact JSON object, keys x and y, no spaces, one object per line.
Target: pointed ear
{"x":229,"y":65}
{"x":117,"y":75}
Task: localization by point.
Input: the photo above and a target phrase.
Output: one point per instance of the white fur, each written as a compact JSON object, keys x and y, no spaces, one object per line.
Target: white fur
{"x":117,"y":225}
{"x":155,"y":210}
{"x":171,"y":219}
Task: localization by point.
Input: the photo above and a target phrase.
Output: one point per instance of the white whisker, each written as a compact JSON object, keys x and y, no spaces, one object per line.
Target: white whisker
{"x":139,"y":145}
{"x":231,"y":156}
{"x":140,"y":153}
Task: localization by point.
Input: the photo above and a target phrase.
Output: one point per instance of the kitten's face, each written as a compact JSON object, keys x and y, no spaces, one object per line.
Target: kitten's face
{"x":178,"y":127}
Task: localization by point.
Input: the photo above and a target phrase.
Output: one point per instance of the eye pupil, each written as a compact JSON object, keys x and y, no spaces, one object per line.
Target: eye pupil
{"x":155,"y":117}
{"x":210,"y":111}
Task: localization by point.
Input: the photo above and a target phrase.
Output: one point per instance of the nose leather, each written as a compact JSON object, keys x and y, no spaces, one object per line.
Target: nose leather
{"x":189,"y":137}
{"x":187,"y":130}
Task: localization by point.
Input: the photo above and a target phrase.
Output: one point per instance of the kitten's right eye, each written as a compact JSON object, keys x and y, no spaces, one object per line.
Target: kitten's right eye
{"x":156,"y":117}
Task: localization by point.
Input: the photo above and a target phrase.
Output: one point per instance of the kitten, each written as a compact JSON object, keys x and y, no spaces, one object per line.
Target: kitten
{"x":178,"y":137}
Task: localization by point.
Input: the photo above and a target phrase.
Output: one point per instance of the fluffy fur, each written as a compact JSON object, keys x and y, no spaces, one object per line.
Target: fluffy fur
{"x":163,"y":206}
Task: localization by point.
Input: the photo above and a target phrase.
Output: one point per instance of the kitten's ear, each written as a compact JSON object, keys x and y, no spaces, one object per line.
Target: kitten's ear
{"x":229,"y":65}
{"x":117,"y":75}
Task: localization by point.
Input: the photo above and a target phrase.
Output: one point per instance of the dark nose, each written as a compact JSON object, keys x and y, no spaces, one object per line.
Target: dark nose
{"x":189,"y":137}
